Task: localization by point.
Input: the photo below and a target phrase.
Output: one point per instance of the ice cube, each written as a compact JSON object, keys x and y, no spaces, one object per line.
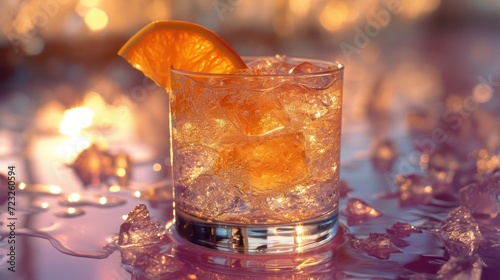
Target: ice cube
{"x":252,"y":79}
{"x":330,"y":83}
{"x":138,"y":229}
{"x":209,"y":132}
{"x":460,"y":232}
{"x":490,"y":182}
{"x":490,"y":248}
{"x":376,"y":245}
{"x":403,"y":230}
{"x":191,"y":162}
{"x":461,"y":268}
{"x":271,"y":65}
{"x":255,"y":113}
{"x":302,"y":103}
{"x":480,"y":200}
{"x":271,"y":163}
{"x":287,"y":205}
{"x":302,"y":201}
{"x":277,"y":65}
{"x":305,"y":67}
{"x":357,"y":211}
{"x":196,"y":101}
{"x":260,"y":63}
{"x":322,"y":147}
{"x":150,"y":263}
{"x":209,"y":197}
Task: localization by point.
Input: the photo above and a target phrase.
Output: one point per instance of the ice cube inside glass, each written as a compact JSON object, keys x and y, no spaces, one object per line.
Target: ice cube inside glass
{"x":256,"y":153}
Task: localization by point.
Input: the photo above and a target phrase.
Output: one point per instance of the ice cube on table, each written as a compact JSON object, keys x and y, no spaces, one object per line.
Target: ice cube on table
{"x":460,"y":232}
{"x":403,"y":230}
{"x":483,"y":195}
{"x":461,"y":268}
{"x":480,"y":200}
{"x":254,"y":113}
{"x":140,"y":243}
{"x":357,"y":211}
{"x":150,"y":263}
{"x":376,"y":245}
{"x":271,"y":163}
{"x":138,"y":229}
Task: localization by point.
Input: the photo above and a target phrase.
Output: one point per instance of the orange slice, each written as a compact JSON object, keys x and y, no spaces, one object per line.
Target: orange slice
{"x":166,"y":44}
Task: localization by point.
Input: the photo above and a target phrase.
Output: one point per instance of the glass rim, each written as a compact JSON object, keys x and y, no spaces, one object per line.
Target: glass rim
{"x":339,"y":69}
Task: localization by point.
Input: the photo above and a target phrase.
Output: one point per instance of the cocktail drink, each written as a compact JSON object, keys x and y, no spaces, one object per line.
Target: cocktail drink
{"x":255,"y":154}
{"x":255,"y":142}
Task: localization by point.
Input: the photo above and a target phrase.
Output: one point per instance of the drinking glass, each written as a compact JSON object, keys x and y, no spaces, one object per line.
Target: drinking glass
{"x":256,"y":156}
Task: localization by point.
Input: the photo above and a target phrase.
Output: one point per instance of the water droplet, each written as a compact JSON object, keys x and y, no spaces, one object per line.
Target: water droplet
{"x":39,"y":189}
{"x":76,"y":199}
{"x":69,"y":212}
{"x":114,"y":188}
{"x":40,"y":205}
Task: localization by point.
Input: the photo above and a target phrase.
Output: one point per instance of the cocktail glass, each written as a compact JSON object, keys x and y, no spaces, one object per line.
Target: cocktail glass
{"x":255,"y":156}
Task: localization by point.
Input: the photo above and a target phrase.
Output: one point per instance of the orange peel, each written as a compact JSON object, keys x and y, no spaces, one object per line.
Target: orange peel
{"x":166,"y":44}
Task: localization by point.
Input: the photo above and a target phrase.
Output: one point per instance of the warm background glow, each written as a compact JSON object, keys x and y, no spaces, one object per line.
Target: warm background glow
{"x":413,"y":67}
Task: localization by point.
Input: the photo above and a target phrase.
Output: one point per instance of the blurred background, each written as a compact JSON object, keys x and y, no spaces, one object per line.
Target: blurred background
{"x":411,"y":66}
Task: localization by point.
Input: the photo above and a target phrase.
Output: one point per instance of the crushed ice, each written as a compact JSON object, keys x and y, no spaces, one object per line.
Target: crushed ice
{"x":400,"y":229}
{"x":464,"y":267}
{"x":357,"y":211}
{"x":376,"y":245}
{"x":138,"y":229}
{"x":460,"y":232}
{"x":460,"y":181}
{"x":141,"y":243}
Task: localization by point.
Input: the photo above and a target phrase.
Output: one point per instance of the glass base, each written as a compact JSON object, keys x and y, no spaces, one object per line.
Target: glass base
{"x":294,"y":237}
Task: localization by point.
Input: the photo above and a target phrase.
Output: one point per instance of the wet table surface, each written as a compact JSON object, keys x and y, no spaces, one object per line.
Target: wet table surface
{"x":52,"y":241}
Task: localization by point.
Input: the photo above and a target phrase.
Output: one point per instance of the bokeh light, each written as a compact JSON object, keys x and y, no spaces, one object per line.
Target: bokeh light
{"x":96,"y":19}
{"x":75,"y":120}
